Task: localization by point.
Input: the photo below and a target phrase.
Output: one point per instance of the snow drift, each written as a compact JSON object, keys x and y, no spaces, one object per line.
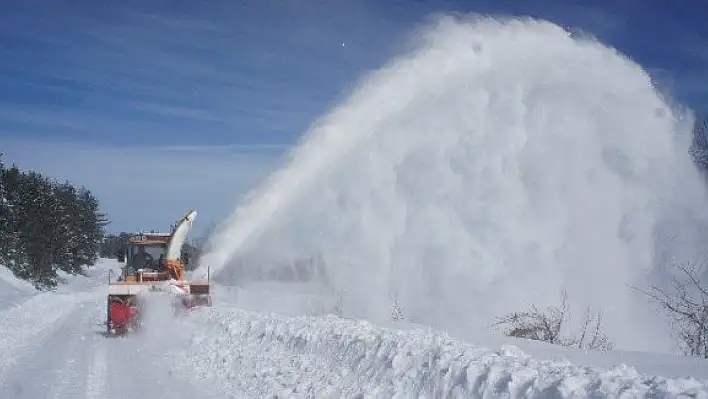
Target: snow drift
{"x":12,"y":289}
{"x":265,"y":355}
{"x":497,"y":163}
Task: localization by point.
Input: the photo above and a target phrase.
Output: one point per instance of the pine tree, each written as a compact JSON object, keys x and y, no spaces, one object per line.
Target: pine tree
{"x":699,"y":147}
{"x":9,"y":238}
{"x":36,"y":222}
{"x":88,"y":225}
{"x":46,"y":227}
{"x":5,"y":214}
{"x":64,"y":230}
{"x":111,"y":246}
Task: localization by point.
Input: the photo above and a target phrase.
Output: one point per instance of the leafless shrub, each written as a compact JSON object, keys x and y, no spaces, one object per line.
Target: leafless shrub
{"x":592,"y":336}
{"x":686,"y":304}
{"x":396,"y":309}
{"x":338,"y":308}
{"x":550,"y":327}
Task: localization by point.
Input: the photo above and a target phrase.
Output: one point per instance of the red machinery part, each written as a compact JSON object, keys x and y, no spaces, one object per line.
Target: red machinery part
{"x":120,"y":314}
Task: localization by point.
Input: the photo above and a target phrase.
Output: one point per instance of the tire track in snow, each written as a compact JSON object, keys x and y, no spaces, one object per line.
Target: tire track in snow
{"x":139,"y":370}
{"x":52,"y":347}
{"x":97,"y":375}
{"x":29,"y":326}
{"x":49,"y":365}
{"x":73,"y":377}
{"x":140,"y":365}
{"x":68,"y":378}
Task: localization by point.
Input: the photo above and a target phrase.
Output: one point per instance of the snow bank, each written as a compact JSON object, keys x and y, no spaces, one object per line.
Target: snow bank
{"x":260,"y":355}
{"x":12,"y":289}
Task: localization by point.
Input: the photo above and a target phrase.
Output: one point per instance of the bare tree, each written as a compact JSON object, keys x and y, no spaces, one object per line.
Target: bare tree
{"x":686,"y":304}
{"x":592,"y":336}
{"x":396,"y":309}
{"x":338,"y":308}
{"x":550,"y":327}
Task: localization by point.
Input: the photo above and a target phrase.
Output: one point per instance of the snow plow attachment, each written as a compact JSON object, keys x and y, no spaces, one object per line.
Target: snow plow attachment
{"x":123,"y":310}
{"x":154,"y":262}
{"x":193,"y":294}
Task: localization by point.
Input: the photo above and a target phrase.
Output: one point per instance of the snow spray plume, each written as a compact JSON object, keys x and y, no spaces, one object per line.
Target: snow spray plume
{"x":163,"y":330}
{"x":497,"y":164}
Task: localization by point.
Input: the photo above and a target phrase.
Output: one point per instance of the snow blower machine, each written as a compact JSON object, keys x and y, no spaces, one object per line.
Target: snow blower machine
{"x":153,"y":262}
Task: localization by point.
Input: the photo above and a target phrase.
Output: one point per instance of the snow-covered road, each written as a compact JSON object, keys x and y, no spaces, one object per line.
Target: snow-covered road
{"x":53,"y":345}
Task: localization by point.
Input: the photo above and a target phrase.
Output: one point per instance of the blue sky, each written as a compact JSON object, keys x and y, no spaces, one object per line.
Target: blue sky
{"x":158,"y":106}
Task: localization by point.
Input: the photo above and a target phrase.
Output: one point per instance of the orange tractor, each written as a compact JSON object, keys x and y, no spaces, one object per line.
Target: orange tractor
{"x":154,"y":262}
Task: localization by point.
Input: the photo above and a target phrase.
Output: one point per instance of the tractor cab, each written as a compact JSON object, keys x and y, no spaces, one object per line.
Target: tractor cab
{"x":145,"y":253}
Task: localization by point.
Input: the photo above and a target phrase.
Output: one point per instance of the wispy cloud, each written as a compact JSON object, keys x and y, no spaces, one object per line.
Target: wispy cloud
{"x":235,"y":73}
{"x":158,"y":109}
{"x":147,"y":188}
{"x":214,"y":92}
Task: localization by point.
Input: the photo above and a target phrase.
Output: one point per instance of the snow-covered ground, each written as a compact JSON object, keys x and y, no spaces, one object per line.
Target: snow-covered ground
{"x":53,"y":346}
{"x":296,"y":299}
{"x":12,"y":289}
{"x":266,"y":354}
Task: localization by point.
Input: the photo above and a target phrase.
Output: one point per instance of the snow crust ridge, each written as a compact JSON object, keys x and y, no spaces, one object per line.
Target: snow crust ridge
{"x":328,"y":356}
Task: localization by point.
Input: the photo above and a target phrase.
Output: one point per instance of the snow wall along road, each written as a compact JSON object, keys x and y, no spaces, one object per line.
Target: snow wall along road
{"x":497,"y":163}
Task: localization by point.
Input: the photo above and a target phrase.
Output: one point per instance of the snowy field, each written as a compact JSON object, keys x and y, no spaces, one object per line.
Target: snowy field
{"x":53,"y":346}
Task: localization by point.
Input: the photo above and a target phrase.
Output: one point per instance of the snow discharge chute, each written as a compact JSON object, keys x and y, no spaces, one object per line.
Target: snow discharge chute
{"x":174,"y":245}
